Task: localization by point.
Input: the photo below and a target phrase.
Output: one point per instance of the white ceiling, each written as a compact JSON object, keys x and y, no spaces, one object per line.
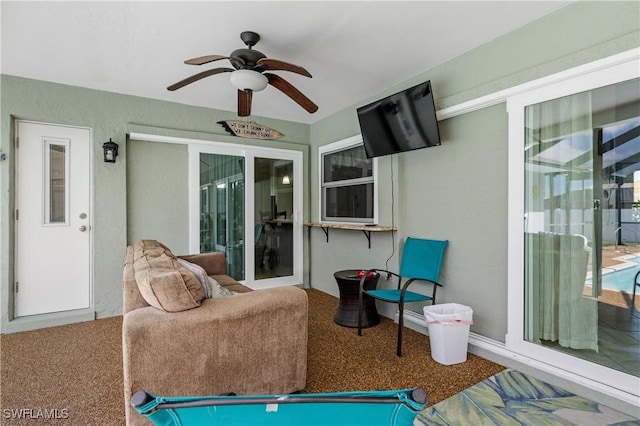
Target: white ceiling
{"x":354,"y":50}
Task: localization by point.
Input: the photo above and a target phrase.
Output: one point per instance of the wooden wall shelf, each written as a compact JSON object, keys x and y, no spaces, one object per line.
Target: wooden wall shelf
{"x":366,"y":229}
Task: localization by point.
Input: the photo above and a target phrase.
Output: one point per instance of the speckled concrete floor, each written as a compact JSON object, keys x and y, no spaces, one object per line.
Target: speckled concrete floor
{"x":77,"y":369}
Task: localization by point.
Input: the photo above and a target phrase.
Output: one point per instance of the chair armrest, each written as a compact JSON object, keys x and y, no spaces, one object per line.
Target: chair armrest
{"x":250,"y":343}
{"x":214,"y":263}
{"x":411,"y":280}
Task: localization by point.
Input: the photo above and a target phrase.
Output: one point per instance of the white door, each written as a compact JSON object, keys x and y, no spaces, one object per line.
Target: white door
{"x":53,"y":193}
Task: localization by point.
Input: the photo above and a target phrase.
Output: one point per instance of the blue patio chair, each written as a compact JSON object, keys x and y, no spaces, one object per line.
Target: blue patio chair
{"x":421,"y":261}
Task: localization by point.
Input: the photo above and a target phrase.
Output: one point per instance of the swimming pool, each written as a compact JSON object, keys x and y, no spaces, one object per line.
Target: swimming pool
{"x":622,"y":278}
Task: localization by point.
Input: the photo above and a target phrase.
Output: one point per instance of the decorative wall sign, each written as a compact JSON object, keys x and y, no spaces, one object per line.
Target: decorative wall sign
{"x":246,"y":129}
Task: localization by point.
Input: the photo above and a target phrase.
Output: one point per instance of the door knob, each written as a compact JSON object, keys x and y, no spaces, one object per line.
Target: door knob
{"x":83,"y":228}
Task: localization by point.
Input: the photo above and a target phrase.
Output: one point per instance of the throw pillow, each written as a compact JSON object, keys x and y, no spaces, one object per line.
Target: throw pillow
{"x":212,"y":288}
{"x":162,"y":281}
{"x":200,"y":273}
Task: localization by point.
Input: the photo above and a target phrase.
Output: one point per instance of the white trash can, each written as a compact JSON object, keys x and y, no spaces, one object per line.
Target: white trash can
{"x":448,"y":325}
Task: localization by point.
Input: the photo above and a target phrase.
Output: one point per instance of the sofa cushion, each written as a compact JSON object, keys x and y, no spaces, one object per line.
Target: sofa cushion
{"x":162,"y":281}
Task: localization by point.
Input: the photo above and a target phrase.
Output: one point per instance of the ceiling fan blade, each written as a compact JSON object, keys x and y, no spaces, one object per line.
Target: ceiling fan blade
{"x":197,"y":77}
{"x":201,"y":60}
{"x":244,"y":102}
{"x":276,"y":65}
{"x":285,"y":87}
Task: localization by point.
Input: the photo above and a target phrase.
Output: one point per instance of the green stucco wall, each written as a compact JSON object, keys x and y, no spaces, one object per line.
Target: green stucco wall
{"x":458,"y":191}
{"x":158,"y":196}
{"x":112,"y":115}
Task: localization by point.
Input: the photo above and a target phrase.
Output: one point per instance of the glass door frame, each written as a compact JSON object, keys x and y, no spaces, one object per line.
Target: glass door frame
{"x":249,"y":153}
{"x":560,"y":364}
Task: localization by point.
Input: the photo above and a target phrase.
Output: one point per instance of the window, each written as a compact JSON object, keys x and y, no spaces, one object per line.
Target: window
{"x":347,"y":183}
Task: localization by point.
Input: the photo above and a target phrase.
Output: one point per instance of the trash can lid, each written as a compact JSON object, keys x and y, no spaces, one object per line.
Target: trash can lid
{"x":448,"y":313}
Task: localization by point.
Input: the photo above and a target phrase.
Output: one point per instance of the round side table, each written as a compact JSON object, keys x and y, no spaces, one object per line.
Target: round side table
{"x":349,"y":285}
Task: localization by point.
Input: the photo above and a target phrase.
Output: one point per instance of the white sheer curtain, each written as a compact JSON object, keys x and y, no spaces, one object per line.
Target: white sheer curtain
{"x":558,"y":203}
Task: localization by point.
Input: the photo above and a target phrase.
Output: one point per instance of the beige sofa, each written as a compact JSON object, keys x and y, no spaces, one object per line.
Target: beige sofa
{"x":252,"y":342}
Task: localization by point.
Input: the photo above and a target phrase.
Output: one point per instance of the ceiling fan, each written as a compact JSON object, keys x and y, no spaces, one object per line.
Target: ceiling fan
{"x":248,"y":74}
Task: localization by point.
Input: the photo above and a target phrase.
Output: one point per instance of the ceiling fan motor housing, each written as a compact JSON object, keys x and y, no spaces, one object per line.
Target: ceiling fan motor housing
{"x":249,"y":56}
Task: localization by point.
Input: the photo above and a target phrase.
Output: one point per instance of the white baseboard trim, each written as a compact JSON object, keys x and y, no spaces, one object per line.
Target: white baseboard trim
{"x":497,"y":351}
{"x":34,"y":322}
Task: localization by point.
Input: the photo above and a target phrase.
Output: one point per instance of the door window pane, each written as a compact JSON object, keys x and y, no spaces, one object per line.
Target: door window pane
{"x":222,"y":209}
{"x":55,"y":211}
{"x":273,"y":189}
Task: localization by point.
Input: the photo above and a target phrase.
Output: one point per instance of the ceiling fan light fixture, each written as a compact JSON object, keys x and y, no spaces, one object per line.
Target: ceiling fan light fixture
{"x":248,"y":79}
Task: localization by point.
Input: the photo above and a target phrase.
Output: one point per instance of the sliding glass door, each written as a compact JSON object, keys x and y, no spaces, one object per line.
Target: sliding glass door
{"x":249,"y":203}
{"x":576,"y":148}
{"x":582,"y":157}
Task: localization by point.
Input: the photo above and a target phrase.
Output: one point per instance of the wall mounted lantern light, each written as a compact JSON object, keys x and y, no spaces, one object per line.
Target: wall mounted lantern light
{"x":110,"y":151}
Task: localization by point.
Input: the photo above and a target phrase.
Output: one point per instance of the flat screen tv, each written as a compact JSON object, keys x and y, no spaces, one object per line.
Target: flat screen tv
{"x":401,"y":122}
